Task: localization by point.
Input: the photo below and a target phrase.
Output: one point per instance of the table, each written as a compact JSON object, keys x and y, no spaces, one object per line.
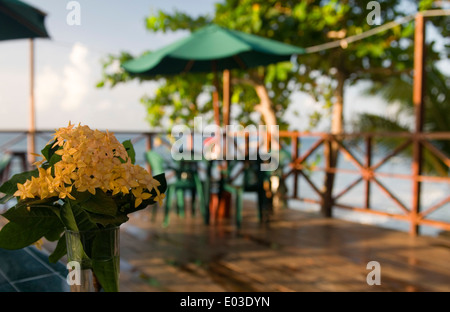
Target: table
{"x":218,"y":192}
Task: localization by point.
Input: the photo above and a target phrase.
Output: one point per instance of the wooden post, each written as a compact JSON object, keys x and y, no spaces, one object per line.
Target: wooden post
{"x":190,"y":144}
{"x":294,"y":156}
{"x":32,"y":129}
{"x":226,"y":97}
{"x":331,"y":148}
{"x":418,"y":101}
{"x":327,"y":194}
{"x":148,"y":147}
{"x":215,"y":95}
{"x":368,"y":164}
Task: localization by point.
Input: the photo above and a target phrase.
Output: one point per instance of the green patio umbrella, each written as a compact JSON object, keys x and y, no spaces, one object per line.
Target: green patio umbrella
{"x":211,"y":49}
{"x":19,"y":20}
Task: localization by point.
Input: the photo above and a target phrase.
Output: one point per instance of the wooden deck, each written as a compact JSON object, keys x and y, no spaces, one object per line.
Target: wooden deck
{"x":295,"y":252}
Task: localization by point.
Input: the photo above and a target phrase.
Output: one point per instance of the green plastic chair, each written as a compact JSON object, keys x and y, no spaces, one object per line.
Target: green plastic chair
{"x":254,"y":180}
{"x":186,"y":179}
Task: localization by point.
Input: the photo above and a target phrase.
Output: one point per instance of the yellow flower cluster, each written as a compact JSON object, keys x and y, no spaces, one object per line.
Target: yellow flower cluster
{"x":90,"y":160}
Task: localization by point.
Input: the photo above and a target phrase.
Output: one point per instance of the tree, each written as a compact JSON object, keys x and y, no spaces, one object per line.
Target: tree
{"x":303,"y":23}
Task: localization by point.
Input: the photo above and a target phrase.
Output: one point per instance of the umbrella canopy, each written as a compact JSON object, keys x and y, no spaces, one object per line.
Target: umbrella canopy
{"x":19,"y":20}
{"x":211,"y":49}
{"x":227,"y":48}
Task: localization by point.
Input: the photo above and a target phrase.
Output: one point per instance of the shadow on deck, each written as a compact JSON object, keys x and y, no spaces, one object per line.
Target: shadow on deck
{"x":296,"y":251}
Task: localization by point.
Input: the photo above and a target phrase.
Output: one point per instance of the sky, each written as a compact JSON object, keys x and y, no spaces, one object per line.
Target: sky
{"x":68,"y":66}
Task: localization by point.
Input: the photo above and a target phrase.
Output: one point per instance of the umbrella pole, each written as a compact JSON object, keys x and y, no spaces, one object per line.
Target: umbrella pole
{"x":32,"y":128}
{"x":216,"y":95}
{"x":226,"y":97}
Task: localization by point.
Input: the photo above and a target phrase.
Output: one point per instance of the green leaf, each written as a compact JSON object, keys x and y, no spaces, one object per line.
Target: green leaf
{"x":16,"y":236}
{"x":105,"y":260}
{"x":130,"y":150}
{"x":6,"y":198}
{"x":15,"y":211}
{"x":151,"y":22}
{"x":59,"y":251}
{"x":425,"y":5}
{"x":46,"y":151}
{"x":408,"y":30}
{"x":300,"y":11}
{"x":26,"y":227}
{"x":100,"y":203}
{"x":55,"y":233}
{"x":54,"y":159}
{"x":10,"y":186}
{"x":22,"y":211}
{"x":270,"y":74}
{"x":49,"y":150}
{"x":49,"y":153}
{"x":108,"y":220}
{"x":161,"y":178}
{"x":75,"y":218}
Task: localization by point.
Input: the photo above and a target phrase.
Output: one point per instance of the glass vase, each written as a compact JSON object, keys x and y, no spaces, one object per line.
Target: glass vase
{"x":93,"y":259}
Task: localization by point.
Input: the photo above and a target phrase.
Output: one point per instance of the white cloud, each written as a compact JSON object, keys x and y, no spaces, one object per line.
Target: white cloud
{"x":48,"y":88}
{"x":65,"y":90}
{"x":76,"y":82}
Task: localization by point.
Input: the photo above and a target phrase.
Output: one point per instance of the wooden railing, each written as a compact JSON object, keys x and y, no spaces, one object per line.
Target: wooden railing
{"x":368,"y":173}
{"x":302,"y":165}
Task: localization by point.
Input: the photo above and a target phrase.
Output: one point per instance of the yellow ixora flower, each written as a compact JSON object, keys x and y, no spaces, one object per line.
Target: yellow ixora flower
{"x":23,"y":191}
{"x":140,"y":195}
{"x":159,"y":198}
{"x":89,"y":160}
{"x":40,"y":162}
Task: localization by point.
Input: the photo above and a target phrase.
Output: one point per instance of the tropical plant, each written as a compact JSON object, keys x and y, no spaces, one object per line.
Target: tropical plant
{"x":87,"y":180}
